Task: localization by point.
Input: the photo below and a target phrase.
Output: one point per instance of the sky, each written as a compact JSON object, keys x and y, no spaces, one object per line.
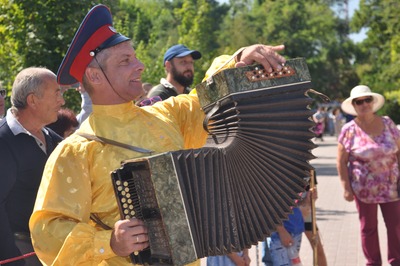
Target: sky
{"x":356,"y":37}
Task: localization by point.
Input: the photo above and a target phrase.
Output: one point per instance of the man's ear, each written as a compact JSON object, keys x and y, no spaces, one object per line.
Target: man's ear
{"x":93,"y":75}
{"x":31,"y":100}
{"x":168,"y":66}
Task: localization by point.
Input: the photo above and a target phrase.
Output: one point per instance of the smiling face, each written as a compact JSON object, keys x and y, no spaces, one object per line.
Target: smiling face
{"x":363,"y":105}
{"x":117,"y":76}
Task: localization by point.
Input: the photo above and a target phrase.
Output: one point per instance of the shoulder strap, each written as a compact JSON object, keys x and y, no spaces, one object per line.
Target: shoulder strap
{"x":93,"y":216}
{"x":115,"y":143}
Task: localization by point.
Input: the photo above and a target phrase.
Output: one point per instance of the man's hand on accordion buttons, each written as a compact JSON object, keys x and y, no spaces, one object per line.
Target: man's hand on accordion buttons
{"x":263,"y":54}
{"x":129,"y":236}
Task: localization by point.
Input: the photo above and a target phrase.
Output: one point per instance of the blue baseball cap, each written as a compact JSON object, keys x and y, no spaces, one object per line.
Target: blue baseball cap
{"x":180,"y":50}
{"x":95,"y":33}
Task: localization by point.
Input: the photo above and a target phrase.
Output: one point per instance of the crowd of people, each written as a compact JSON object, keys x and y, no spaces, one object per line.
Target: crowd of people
{"x":56,"y":177}
{"x":329,"y":121}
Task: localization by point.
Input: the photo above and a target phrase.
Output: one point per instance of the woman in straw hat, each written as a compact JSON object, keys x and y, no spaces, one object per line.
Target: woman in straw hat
{"x":368,"y":166}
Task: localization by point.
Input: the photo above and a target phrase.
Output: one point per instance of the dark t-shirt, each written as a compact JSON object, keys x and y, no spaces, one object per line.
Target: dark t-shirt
{"x":162,"y":91}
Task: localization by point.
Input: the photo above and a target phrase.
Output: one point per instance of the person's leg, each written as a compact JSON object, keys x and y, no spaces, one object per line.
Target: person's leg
{"x":265,"y":253}
{"x":391,"y":216}
{"x":297,"y":241}
{"x":368,"y":215}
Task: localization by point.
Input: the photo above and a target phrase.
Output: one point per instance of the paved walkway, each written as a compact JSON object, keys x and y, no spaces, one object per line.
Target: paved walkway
{"x":336,"y":218}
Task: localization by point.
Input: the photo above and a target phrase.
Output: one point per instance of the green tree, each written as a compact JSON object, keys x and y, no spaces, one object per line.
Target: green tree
{"x":167,"y":23}
{"x":378,"y":62}
{"x":37,"y":33}
{"x":12,"y":46}
{"x":379,"y":57}
{"x":152,"y":25}
{"x":308,"y":29}
{"x":197,"y":30}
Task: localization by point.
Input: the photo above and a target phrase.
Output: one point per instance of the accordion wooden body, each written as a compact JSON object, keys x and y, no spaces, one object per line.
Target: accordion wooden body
{"x":234,"y":191}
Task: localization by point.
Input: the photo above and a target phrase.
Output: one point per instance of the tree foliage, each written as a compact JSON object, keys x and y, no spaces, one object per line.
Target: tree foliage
{"x":38,"y":33}
{"x":380,"y":51}
{"x":378,"y":62}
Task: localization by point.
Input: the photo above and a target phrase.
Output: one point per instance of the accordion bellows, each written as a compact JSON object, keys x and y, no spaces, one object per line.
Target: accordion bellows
{"x":235,"y":190}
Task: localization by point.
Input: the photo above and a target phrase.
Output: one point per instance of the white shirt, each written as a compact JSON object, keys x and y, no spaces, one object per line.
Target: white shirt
{"x":17,"y":128}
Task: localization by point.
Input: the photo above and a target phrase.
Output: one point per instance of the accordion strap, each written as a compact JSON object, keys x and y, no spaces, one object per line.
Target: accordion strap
{"x":209,"y":115}
{"x":113,"y":142}
{"x":321,"y":95}
{"x":93,"y":216}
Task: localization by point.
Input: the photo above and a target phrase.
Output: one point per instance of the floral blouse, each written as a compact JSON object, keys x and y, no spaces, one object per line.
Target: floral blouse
{"x":373,"y":166}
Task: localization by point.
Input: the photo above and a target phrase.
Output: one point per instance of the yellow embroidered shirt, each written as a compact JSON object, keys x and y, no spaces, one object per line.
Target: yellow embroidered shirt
{"x":77,"y":182}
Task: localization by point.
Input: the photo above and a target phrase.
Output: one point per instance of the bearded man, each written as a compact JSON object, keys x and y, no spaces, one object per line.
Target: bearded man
{"x":179,"y":66}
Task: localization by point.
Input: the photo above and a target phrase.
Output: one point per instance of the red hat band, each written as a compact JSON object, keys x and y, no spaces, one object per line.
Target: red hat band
{"x":85,"y":56}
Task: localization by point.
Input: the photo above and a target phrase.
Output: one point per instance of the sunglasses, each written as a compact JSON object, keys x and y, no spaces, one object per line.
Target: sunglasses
{"x":150,"y":101}
{"x":360,"y":102}
{"x":3,"y":93}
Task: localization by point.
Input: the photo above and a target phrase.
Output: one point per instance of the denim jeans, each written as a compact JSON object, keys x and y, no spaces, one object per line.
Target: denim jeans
{"x":275,"y":254}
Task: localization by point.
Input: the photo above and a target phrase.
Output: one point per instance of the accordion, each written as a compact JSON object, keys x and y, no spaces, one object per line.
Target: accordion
{"x":234,"y":191}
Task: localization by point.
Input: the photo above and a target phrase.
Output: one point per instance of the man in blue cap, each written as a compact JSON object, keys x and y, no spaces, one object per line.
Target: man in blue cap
{"x":76,"y":217}
{"x":179,"y":66}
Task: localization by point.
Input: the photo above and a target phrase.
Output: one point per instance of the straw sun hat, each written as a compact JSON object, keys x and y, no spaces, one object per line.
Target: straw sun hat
{"x":361,"y":91}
